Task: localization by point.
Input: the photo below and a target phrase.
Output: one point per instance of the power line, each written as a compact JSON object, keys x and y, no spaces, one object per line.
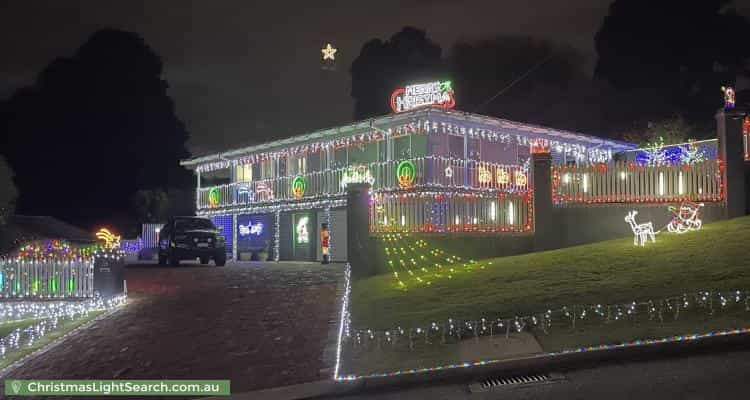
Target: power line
{"x":520,"y":78}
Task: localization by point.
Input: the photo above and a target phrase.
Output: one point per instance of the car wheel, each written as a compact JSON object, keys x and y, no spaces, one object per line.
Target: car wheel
{"x":162,"y":260}
{"x":204,"y":260}
{"x":220,"y":259}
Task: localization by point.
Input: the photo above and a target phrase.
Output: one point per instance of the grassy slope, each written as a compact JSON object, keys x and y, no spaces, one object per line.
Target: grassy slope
{"x":607,"y":272}
{"x":62,"y":329}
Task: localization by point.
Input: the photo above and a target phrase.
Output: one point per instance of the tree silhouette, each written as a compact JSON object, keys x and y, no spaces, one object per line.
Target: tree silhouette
{"x":93,"y":129}
{"x":408,"y":56}
{"x":678,"y":52}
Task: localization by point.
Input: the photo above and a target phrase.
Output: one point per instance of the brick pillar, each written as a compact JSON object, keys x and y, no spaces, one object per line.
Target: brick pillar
{"x":360,"y":247}
{"x":731,"y":153}
{"x":545,"y":228}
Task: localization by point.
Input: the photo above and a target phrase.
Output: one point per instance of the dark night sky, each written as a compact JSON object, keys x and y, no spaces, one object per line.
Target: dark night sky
{"x":242,"y":72}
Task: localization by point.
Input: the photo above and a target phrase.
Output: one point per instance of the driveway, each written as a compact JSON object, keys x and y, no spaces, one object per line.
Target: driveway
{"x":259,"y":324}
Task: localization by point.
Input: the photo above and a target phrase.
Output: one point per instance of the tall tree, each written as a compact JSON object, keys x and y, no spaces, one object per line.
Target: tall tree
{"x":408,"y":56}
{"x":93,"y":129}
{"x":675,"y":51}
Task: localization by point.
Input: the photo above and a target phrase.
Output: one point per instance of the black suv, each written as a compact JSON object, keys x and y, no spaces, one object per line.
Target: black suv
{"x":188,"y":238}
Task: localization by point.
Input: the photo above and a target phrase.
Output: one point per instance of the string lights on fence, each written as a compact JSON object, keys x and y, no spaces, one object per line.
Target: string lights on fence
{"x":53,"y":269}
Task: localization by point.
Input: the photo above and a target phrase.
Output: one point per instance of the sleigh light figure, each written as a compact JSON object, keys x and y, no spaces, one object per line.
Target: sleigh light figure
{"x":641,"y":232}
{"x":685,"y":218}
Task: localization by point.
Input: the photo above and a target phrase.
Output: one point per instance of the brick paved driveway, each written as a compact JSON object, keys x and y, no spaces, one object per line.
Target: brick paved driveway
{"x":260,"y":325}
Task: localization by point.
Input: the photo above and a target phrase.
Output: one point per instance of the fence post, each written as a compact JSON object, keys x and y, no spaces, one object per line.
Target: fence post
{"x":732,"y":155}
{"x":545,"y":227}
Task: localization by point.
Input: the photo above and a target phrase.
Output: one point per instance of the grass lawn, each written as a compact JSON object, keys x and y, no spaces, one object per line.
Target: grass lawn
{"x":62,"y":329}
{"x":7,"y":328}
{"x":715,"y":258}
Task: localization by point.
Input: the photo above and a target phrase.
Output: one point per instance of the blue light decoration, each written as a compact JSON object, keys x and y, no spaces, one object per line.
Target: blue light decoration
{"x":687,"y":153}
{"x":224,"y":223}
{"x":132,"y":246}
{"x":253,"y":231}
{"x":252,"y":228}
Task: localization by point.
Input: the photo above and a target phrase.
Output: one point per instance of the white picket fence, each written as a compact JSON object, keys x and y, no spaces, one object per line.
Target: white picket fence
{"x":625,"y":182}
{"x":46,"y":278}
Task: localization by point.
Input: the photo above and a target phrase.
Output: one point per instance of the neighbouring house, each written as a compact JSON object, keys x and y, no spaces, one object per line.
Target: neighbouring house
{"x":24,"y":228}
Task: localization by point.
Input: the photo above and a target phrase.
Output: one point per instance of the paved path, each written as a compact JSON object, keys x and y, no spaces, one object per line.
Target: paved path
{"x":260,"y":325}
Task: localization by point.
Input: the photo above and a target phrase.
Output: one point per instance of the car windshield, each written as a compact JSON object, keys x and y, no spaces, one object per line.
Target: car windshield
{"x":189,"y":224}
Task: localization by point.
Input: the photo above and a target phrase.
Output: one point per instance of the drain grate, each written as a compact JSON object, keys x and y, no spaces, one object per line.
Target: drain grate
{"x":512,"y":381}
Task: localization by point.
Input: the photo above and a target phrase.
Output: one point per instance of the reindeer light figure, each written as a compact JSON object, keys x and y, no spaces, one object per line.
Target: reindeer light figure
{"x":641,"y":232}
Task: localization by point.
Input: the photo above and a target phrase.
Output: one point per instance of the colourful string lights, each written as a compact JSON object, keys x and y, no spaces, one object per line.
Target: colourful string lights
{"x":414,"y":261}
{"x":454,"y":331}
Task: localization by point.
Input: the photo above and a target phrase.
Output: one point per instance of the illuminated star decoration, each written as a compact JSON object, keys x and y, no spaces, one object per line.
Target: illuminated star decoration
{"x":329,"y":52}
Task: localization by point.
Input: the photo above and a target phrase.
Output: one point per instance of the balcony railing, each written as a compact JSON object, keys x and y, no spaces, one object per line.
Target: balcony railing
{"x":429,"y":173}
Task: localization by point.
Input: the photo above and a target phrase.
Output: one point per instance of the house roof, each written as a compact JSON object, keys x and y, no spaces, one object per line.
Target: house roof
{"x":34,"y":227}
{"x":511,"y":127}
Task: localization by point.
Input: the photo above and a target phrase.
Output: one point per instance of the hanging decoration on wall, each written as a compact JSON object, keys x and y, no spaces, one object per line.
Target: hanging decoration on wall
{"x":405,"y":174}
{"x":245,"y":193}
{"x":263,"y":191}
{"x":439,"y":93}
{"x":111,"y":241}
{"x":521,"y":179}
{"x":357,"y":174}
{"x":298,"y":186}
{"x":449,"y":172}
{"x":214,"y":197}
{"x":728,"y":97}
{"x":641,"y":232}
{"x":685,"y":217}
{"x":502,"y":176}
{"x":251,"y":229}
{"x":484,"y":175}
{"x":303,"y":230}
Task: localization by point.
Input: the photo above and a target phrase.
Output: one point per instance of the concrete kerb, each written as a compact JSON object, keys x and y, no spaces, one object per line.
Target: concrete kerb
{"x":542,"y":363}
